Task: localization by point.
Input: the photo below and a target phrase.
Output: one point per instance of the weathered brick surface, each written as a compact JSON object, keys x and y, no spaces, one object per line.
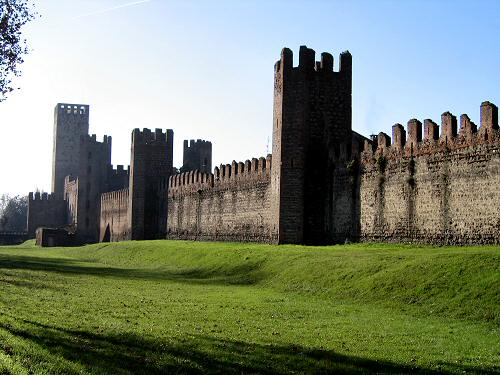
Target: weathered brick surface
{"x":45,"y":210}
{"x":233,"y":204}
{"x":436,"y":190}
{"x":114,"y":223}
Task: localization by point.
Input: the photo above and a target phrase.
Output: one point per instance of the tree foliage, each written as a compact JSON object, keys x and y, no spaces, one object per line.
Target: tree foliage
{"x":14,"y":14}
{"x":13,"y":213}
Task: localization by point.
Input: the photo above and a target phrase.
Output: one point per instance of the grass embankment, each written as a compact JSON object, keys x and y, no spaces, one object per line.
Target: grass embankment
{"x":168,"y":306}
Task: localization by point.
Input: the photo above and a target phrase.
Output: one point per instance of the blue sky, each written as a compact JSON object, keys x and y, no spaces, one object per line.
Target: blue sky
{"x":205,"y":69}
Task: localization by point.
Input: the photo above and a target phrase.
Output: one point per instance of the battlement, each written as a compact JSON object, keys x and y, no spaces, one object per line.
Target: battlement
{"x":198,"y":143}
{"x":224,"y":176}
{"x":243,"y":170}
{"x":119,"y":170}
{"x":197,"y":155}
{"x":106,"y":139}
{"x":146,"y":136}
{"x":415,"y":142}
{"x":190,"y":182}
{"x":307,"y":61}
{"x":72,"y":109}
{"x":114,"y":196}
{"x":37,"y":196}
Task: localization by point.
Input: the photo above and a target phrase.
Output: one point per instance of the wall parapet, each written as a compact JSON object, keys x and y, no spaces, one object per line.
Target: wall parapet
{"x":307,"y":61}
{"x":226,"y":176}
{"x":199,"y":142}
{"x":416,"y":141}
{"x":119,"y":170}
{"x":146,"y":136}
{"x":114,"y":196}
{"x":37,"y":196}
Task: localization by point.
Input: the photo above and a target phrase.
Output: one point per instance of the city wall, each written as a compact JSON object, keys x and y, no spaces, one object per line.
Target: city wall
{"x":232,"y":204}
{"x":45,"y":210}
{"x":115,"y":223}
{"x":439,"y":189}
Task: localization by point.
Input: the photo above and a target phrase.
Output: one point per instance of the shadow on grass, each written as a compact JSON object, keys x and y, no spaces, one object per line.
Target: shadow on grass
{"x":133,"y":354}
{"x":241,"y":274}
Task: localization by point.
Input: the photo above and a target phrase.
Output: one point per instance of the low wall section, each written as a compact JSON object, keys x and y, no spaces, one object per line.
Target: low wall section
{"x":232,"y":204}
{"x":115,"y":225}
{"x":441,"y":189}
{"x":45,"y":210}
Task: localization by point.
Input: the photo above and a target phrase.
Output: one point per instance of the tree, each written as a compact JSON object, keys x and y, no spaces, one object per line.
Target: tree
{"x":13,"y":213}
{"x":14,"y":14}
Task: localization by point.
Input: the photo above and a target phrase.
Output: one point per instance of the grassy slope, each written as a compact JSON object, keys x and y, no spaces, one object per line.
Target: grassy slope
{"x":210,"y":307}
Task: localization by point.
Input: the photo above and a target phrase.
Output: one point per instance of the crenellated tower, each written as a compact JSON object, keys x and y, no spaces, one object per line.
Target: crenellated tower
{"x":151,"y":163}
{"x":311,"y":129}
{"x":197,"y":155}
{"x":71,"y":122}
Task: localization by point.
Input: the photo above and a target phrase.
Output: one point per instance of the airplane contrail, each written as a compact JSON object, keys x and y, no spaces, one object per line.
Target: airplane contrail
{"x":113,"y":8}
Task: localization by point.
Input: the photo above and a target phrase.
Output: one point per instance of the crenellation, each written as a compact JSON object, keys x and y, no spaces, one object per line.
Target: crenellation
{"x":306,"y":58}
{"x":489,"y":115}
{"x":433,"y":143}
{"x":222,"y":178}
{"x":269,"y":161}
{"x":467,"y":128}
{"x":448,"y":127}
{"x":414,"y":128}
{"x":323,"y":182}
{"x":326,"y":62}
{"x":197,"y":155}
{"x":431,"y":131}
{"x":234,"y":169}
{"x":383,"y":142}
{"x":398,"y":137}
{"x":255,"y":164}
{"x":37,"y":196}
{"x":345,"y":65}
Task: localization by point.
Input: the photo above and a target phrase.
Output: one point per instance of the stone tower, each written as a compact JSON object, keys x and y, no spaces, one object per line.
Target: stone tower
{"x":91,"y":182}
{"x":197,"y":156}
{"x":151,"y":164}
{"x":71,"y":122}
{"x":311,"y":131}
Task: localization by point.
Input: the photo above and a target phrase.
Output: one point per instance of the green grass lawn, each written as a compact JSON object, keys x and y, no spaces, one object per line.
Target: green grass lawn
{"x":184,"y":307}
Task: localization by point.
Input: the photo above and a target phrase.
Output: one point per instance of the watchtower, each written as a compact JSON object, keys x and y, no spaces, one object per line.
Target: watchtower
{"x":71,"y":122}
{"x":197,"y":156}
{"x":311,"y":128}
{"x":151,"y":163}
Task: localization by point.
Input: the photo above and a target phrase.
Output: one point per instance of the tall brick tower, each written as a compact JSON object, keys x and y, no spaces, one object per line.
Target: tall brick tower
{"x":197,"y":156}
{"x":151,"y":163}
{"x":71,"y":122}
{"x":311,"y":128}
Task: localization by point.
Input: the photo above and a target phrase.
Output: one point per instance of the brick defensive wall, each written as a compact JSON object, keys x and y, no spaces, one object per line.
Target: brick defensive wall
{"x":232,"y":204}
{"x":114,"y":223}
{"x":434,"y":188}
{"x":45,"y":210}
